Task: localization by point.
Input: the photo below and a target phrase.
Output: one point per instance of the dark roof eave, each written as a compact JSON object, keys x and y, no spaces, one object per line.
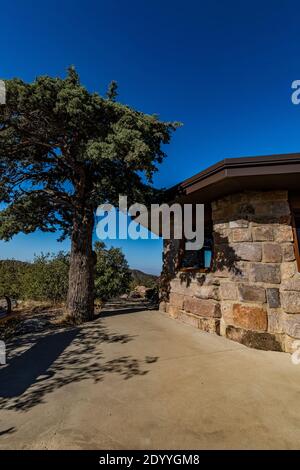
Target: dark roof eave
{"x":246,"y":168}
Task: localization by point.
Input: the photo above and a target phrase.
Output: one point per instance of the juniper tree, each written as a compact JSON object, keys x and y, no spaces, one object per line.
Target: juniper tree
{"x":64,"y":151}
{"x":112,"y":273}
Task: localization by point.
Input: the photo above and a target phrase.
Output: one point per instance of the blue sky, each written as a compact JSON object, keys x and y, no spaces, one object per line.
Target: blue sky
{"x":224,"y":69}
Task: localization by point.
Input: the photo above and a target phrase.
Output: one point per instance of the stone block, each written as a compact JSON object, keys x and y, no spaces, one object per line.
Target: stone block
{"x":275,"y":322}
{"x":272,"y":253}
{"x":214,"y":205}
{"x":263,"y":233}
{"x":184,"y":286}
{"x":228,"y":291}
{"x":250,"y":317}
{"x":210,"y":325}
{"x":269,"y":273}
{"x":288,"y":270}
{"x":245,"y":210}
{"x":238,"y":198}
{"x":289,"y":344}
{"x":222,"y":215}
{"x":290,"y":301}
{"x":189,"y":319}
{"x":222,"y":236}
{"x":272,"y":209}
{"x":227,"y":312}
{"x":288,"y":252}
{"x":248,"y":251}
{"x":208,"y":292}
{"x":222,"y":327}
{"x":283,"y":233}
{"x":254,"y":339}
{"x":263,"y":196}
{"x":201,"y":307}
{"x":231,"y":270}
{"x":220,"y":270}
{"x":292,"y":325}
{"x":291,"y":284}
{"x":223,"y":202}
{"x":176,"y":300}
{"x":249,"y":293}
{"x":273,"y":297}
{"x":221,"y":226}
{"x":210,"y":280}
{"x":241,"y":235}
{"x":172,"y":311}
{"x":242,"y":223}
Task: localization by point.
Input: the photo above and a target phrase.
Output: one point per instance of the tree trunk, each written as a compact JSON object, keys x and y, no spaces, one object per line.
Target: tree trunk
{"x":80,"y":301}
{"x":8,"y":303}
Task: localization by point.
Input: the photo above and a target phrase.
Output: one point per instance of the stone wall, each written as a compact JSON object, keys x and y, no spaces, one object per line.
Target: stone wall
{"x":252,"y":294}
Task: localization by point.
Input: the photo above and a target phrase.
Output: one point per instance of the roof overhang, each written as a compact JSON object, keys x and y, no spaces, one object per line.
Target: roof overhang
{"x":233,"y":175}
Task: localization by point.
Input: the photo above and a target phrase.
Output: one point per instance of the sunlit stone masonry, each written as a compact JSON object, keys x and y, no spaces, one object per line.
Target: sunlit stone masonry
{"x":245,"y":283}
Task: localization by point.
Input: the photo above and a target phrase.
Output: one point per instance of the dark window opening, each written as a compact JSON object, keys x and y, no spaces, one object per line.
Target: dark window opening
{"x":199,"y":259}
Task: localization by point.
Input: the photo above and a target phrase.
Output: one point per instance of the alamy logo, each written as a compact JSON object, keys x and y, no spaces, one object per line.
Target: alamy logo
{"x":176,"y":221}
{"x":296,"y":94}
{"x":2,"y":353}
{"x":2,"y":92}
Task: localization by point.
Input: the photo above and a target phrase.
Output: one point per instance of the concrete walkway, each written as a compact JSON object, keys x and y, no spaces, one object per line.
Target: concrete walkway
{"x":135,"y":380}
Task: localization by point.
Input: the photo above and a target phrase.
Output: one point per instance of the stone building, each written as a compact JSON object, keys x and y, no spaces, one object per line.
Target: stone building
{"x":245,"y":283}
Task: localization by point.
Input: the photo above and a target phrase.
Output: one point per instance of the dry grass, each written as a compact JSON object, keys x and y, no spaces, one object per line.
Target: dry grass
{"x":31,"y":307}
{"x":43,"y":313}
{"x":48,"y":314}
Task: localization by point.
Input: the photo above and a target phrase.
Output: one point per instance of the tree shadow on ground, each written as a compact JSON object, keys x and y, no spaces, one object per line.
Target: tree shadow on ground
{"x":53,"y":359}
{"x":121,"y":311}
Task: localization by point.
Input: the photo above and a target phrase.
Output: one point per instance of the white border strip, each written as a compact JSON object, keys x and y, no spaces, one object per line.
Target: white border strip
{"x":2,"y":92}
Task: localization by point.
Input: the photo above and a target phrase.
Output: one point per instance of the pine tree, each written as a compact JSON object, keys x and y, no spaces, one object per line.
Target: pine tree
{"x":64,"y":151}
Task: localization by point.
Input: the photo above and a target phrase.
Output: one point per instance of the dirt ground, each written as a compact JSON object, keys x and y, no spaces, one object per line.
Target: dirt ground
{"x":135,"y":379}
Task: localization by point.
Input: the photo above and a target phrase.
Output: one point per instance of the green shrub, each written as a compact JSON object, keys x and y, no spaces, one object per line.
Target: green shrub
{"x":44,"y":279}
{"x":47,"y":278}
{"x":112,"y":274}
{"x":11,"y":278}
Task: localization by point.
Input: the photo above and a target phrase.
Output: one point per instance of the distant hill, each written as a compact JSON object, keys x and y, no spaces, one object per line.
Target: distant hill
{"x":13,"y":262}
{"x":143,"y":279}
{"x":139,"y":277}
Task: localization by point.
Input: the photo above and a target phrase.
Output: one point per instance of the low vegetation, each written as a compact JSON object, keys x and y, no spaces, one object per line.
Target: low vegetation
{"x":37,"y":291}
{"x":46,"y":278}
